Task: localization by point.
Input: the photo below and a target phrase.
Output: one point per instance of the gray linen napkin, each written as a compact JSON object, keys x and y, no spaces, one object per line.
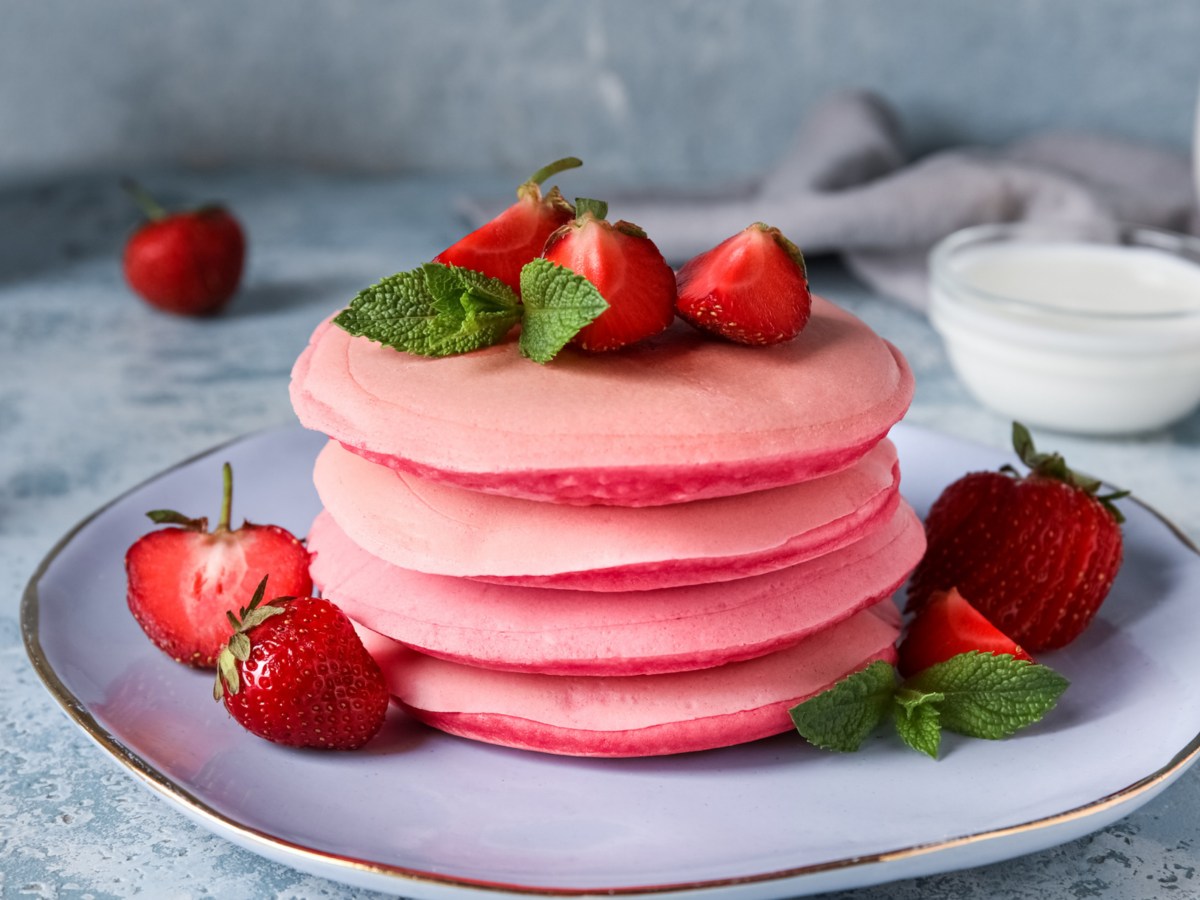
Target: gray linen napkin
{"x":846,"y":187}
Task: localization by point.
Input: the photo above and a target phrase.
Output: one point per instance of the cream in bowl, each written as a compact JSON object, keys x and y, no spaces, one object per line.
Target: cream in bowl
{"x":1081,"y":329}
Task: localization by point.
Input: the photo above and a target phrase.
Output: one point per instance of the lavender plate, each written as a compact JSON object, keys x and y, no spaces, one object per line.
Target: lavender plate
{"x":425,"y":815}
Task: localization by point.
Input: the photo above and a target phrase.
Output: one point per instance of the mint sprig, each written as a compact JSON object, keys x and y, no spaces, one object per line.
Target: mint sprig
{"x":433,"y":310}
{"x":976,"y":694}
{"x":443,"y":310}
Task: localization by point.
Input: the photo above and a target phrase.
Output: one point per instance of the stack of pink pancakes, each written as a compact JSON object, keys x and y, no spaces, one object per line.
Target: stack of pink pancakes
{"x":629,"y":554}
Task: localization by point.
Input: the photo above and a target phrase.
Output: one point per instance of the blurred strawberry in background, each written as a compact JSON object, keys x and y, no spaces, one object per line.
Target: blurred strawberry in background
{"x":187,"y":262}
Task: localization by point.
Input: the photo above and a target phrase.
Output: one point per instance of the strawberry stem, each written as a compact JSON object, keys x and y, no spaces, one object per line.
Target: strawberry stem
{"x":585,"y":205}
{"x":226,"y":497}
{"x":549,"y":171}
{"x":1052,"y":465}
{"x":150,"y":207}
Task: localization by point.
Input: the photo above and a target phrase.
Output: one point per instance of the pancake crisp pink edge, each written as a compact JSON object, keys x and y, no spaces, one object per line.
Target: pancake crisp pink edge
{"x":319,"y":404}
{"x":651,"y":715}
{"x":444,"y":530}
{"x":534,"y":630}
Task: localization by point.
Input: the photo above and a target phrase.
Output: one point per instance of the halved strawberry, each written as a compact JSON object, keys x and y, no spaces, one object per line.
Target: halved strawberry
{"x":626,"y":268}
{"x":502,"y":246}
{"x":751,"y":288}
{"x":947,"y":626}
{"x":295,"y":672}
{"x":182,"y":580}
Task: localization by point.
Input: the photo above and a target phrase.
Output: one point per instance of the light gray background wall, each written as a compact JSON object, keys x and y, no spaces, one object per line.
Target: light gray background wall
{"x":668,"y":91}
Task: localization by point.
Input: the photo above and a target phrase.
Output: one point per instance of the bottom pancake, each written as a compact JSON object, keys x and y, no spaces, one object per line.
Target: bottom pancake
{"x":637,"y":715}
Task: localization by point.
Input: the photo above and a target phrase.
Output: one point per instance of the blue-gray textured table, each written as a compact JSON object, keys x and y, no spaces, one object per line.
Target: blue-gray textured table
{"x":98,"y":393}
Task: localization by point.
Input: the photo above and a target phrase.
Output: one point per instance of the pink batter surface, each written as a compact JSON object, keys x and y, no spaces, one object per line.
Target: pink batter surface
{"x":646,"y":715}
{"x":679,"y":417}
{"x":444,"y":530}
{"x":625,"y":633}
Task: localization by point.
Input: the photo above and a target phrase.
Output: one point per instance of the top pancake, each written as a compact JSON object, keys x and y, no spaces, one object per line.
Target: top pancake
{"x":679,"y":417}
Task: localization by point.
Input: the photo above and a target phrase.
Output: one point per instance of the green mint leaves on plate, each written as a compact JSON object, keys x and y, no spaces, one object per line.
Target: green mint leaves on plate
{"x":841,"y":717}
{"x":442,"y":310}
{"x":975,"y":694}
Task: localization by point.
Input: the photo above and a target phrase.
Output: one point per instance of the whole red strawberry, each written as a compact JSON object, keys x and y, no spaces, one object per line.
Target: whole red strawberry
{"x":183,"y":579}
{"x":502,"y":246}
{"x":190,"y":262}
{"x":625,"y":267}
{"x":751,"y":288}
{"x":295,"y":672}
{"x":949,"y":625}
{"x":1036,"y":554}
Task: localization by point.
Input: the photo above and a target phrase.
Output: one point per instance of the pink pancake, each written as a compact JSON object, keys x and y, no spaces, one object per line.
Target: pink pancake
{"x":444,"y":530}
{"x":679,"y":417}
{"x":641,"y":715}
{"x":633,"y":633}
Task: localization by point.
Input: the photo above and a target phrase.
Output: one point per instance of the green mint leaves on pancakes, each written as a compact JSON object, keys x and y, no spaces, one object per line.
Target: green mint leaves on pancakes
{"x":442,"y":310}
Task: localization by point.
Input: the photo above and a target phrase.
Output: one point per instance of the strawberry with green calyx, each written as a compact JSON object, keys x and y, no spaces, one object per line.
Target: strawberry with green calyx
{"x":181,"y":579}
{"x":751,"y":288}
{"x":624,"y":266}
{"x":438,"y":310}
{"x":1036,"y":554}
{"x":946,"y":626}
{"x":599,"y":287}
{"x":977,"y":694}
{"x":295,"y":672}
{"x":499,"y":248}
{"x":187,"y":262}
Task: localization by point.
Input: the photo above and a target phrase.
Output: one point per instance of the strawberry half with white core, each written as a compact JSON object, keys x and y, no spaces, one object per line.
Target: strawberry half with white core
{"x":1036,"y":554}
{"x":751,"y":288}
{"x":296,"y":672}
{"x":502,"y":246}
{"x":181,"y":580}
{"x":947,"y":626}
{"x":625,"y":267}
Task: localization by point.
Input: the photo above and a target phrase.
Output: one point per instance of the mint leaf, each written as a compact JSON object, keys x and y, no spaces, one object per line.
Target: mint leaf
{"x":434,"y":310}
{"x":840,"y":717}
{"x":918,"y":721}
{"x":989,"y":696}
{"x":558,"y":303}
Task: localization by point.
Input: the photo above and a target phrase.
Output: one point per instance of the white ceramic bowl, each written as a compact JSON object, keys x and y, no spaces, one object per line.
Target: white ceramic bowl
{"x":1094,"y":330}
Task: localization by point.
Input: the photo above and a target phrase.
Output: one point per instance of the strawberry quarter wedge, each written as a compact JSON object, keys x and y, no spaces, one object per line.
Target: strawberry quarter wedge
{"x":183,"y":578}
{"x":947,"y":626}
{"x":626,"y":269}
{"x":500,"y":248}
{"x":751,"y":288}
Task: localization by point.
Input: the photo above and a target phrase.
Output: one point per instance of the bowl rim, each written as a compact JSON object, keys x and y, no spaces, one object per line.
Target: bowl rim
{"x":1177,"y":245}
